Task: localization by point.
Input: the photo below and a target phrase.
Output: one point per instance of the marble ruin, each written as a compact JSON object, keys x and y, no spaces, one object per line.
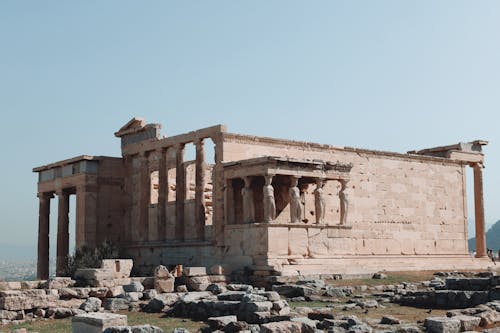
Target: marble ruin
{"x":275,"y":207}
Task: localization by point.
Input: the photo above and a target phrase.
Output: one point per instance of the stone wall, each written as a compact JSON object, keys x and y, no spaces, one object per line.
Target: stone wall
{"x":399,"y":205}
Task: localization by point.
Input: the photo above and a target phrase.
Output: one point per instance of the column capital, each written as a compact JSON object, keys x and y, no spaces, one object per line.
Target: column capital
{"x":199,"y":141}
{"x":61,"y":192}
{"x":268,"y":179}
{"x":248,"y":181}
{"x":179,"y":146}
{"x":45,"y":195}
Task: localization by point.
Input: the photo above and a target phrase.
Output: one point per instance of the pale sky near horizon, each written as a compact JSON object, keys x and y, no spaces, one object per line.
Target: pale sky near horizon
{"x":385,"y":75}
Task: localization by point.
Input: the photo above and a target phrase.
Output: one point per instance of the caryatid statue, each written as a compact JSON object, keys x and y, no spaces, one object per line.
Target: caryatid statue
{"x":268,"y":197}
{"x":319,"y":202}
{"x":248,"y":204}
{"x":295,"y":201}
{"x":344,"y":202}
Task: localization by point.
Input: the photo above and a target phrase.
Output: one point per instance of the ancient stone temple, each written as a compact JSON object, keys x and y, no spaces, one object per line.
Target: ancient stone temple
{"x":275,"y":207}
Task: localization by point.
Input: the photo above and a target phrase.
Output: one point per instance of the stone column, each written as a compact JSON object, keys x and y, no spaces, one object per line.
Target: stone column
{"x":43,"y":235}
{"x":319,"y":202}
{"x":248,"y":204}
{"x":295,"y":201}
{"x":62,"y":232}
{"x":268,"y":198}
{"x":162,"y":194}
{"x":199,"y":195}
{"x":344,"y":202}
{"x":180,"y":192}
{"x":479,"y":211}
{"x":144,"y":196}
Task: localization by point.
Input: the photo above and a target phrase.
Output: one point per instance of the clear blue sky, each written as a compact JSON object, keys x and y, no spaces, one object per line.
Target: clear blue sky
{"x":387,"y":75}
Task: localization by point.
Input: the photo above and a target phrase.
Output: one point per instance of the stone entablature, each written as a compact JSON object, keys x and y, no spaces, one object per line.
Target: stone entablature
{"x":163,"y":208}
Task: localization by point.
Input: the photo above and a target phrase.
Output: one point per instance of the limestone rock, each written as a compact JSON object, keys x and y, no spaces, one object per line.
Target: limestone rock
{"x":116,"y":304}
{"x":281,"y":327}
{"x":146,"y":329}
{"x":198,"y":283}
{"x":468,"y":323}
{"x":160,"y":302}
{"x":58,"y":283}
{"x":99,"y":292}
{"x":363,"y":328}
{"x":133,"y":287}
{"x":308,"y":325}
{"x":216,"y":323}
{"x":133,"y":296}
{"x":92,"y":304}
{"x":239,"y":287}
{"x":235,"y":326}
{"x":149,"y":294}
{"x":321,"y":314}
{"x":390,"y":320}
{"x":164,"y":281}
{"x":216,"y":288}
{"x":8,"y":315}
{"x":442,"y":325}
{"x":489,"y":317}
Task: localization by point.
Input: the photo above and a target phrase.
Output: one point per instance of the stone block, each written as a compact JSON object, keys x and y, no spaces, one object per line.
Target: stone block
{"x":120,"y":268}
{"x":198,"y":283}
{"x":298,"y":242}
{"x":99,"y":292}
{"x":217,"y":270}
{"x":92,"y":304}
{"x":194,"y":271}
{"x":133,"y":287}
{"x":31,"y":284}
{"x":115,"y":291}
{"x":92,"y":276}
{"x":281,"y":327}
{"x":164,"y":281}
{"x":216,"y":323}
{"x":96,"y":322}
{"x":58,"y":283}
{"x":489,"y":318}
{"x":442,"y":325}
{"x":116,"y":304}
{"x":468,"y":323}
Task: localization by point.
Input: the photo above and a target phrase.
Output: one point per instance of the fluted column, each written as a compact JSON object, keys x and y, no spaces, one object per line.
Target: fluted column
{"x":144,"y":196}
{"x":162,"y":194}
{"x":62,"y":232}
{"x":43,"y":235}
{"x":180,"y":192}
{"x":199,"y":196}
{"x":479,"y":211}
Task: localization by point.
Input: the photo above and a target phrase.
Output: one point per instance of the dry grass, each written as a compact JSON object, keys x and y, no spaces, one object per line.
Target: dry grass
{"x":134,"y":318}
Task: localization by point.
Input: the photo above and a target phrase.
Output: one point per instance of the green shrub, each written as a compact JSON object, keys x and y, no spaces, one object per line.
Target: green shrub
{"x":87,"y":257}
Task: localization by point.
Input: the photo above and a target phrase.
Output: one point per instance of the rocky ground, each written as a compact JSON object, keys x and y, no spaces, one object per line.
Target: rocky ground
{"x":449,"y":302}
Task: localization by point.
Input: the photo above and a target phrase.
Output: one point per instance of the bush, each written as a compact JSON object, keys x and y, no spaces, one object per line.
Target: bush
{"x":87,"y":257}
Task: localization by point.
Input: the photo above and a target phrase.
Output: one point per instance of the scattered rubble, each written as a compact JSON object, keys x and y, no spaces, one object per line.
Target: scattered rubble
{"x":472,"y":301}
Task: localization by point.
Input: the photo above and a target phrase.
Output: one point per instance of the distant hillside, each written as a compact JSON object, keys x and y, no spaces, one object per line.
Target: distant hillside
{"x":492,"y":238}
